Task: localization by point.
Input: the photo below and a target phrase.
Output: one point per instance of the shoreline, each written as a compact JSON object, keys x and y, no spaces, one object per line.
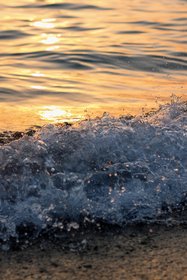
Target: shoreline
{"x":142,"y":251}
{"x":8,"y":136}
{"x":135,"y":252}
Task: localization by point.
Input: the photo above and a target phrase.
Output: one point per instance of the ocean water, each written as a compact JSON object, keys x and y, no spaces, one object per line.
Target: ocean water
{"x":114,"y":170}
{"x":72,"y":62}
{"x":61,"y":60}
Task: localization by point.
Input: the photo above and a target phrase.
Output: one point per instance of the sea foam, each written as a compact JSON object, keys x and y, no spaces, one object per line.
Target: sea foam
{"x":116,"y":170}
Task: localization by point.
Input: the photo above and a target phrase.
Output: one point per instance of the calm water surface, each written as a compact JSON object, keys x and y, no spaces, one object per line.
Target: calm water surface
{"x":62,"y":60}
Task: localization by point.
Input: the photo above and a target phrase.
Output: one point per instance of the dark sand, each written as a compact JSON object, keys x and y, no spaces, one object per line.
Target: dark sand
{"x":140,"y":252}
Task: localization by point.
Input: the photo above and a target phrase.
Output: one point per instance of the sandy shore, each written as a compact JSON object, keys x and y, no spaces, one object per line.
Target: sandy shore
{"x":143,"y":252}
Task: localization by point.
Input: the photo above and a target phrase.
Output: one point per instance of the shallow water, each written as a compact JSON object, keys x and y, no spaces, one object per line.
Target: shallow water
{"x":115,"y":170}
{"x":64,"y":60}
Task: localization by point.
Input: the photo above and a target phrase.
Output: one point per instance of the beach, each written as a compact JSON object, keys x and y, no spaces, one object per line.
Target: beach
{"x":72,"y":221}
{"x":139,"y":252}
{"x":93,"y":140}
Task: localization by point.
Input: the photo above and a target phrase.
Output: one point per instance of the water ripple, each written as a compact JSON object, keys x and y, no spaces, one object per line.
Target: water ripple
{"x":64,"y":6}
{"x":88,"y":60}
{"x":12,"y":34}
{"x":102,"y":50}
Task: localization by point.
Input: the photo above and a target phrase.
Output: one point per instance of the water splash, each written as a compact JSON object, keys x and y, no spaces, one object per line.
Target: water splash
{"x":116,"y":170}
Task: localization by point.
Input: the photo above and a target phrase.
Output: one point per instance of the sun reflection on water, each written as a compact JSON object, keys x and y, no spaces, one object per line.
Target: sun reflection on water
{"x":57,"y":114}
{"x":46,"y":38}
{"x":44,"y":23}
{"x":37,"y":74}
{"x":72,"y":59}
{"x":49,"y":39}
{"x":39,"y":87}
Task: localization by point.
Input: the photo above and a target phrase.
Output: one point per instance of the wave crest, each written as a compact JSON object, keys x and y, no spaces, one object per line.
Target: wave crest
{"x":117,"y":170}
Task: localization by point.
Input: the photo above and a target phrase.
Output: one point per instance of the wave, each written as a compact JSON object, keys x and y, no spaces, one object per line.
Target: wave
{"x":115,"y":170}
{"x":64,"y":6}
{"x":90,"y":60}
{"x":12,"y":34}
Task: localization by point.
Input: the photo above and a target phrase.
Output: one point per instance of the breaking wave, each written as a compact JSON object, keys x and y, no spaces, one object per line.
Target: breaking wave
{"x":115,"y":170}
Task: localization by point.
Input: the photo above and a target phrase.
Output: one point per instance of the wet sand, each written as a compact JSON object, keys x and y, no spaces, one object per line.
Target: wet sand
{"x":140,"y":252}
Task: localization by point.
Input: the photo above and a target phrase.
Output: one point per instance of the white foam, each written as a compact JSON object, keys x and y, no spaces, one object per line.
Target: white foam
{"x":115,"y":170}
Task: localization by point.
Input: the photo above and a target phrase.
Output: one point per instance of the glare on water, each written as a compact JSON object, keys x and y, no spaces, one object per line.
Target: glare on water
{"x":86,"y":58}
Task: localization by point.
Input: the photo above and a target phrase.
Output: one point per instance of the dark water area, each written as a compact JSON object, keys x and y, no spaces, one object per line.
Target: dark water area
{"x":60,"y":59}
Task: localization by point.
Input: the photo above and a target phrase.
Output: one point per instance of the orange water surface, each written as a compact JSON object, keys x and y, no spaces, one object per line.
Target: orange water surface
{"x":69,"y":60}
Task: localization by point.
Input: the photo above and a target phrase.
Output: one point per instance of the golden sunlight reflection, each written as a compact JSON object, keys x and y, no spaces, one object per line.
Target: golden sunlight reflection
{"x":56,"y":113}
{"x":49,"y":39}
{"x":37,"y":74}
{"x":52,"y":48}
{"x":25,"y":115}
{"x":38,"y":87}
{"x":71,"y":61}
{"x":44,"y":23}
